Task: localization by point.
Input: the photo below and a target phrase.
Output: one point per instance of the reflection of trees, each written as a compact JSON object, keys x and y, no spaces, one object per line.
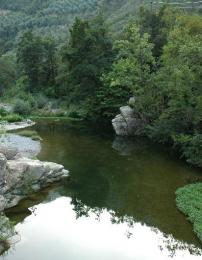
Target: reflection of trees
{"x":173,"y":245}
{"x":82,"y":210}
{"x":167,"y":242}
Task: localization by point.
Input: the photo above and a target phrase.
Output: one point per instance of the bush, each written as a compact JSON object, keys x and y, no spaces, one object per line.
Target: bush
{"x":189,"y":201}
{"x":3,"y":112}
{"x":41,"y":101}
{"x":12,"y":118}
{"x":190,"y":147}
{"x":22,"y":108}
{"x":55,"y":104}
{"x":74,"y":114}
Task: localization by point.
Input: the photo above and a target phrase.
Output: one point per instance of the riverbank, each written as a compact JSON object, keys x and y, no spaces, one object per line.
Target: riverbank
{"x":20,"y":175}
{"x":17,"y":125}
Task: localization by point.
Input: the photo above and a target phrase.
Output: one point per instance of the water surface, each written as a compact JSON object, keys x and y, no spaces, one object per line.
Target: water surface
{"x":119,"y":202}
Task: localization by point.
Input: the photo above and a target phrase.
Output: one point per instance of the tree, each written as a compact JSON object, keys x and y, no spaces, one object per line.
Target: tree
{"x":29,"y":56}
{"x":36,"y":57}
{"x":157,"y":25}
{"x":8,"y":73}
{"x":87,"y":56}
{"x":132,"y":70}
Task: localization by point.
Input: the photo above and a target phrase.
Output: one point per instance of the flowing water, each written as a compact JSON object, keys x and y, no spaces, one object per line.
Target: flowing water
{"x":118,"y":204}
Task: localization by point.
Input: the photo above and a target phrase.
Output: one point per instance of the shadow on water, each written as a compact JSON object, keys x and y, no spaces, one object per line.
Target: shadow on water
{"x":131,"y":178}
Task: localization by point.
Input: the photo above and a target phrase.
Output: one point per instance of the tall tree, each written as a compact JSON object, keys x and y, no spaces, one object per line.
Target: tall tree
{"x":29,"y":55}
{"x":8,"y":73}
{"x":87,"y":56}
{"x":36,"y":57}
{"x":133,"y":67}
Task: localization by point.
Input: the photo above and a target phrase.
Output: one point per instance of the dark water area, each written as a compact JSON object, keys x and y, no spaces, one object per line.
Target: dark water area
{"x":119,"y":202}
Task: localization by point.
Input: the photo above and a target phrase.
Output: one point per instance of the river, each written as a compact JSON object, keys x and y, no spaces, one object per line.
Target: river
{"x":119,"y":202}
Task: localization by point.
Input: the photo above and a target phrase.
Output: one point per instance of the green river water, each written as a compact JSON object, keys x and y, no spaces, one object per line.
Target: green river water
{"x":118,"y":204}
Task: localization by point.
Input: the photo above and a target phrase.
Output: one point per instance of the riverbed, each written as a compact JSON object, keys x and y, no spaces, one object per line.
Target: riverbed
{"x":119,"y":202}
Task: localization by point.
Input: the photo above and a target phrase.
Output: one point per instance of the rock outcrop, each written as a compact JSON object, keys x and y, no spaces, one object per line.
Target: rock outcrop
{"x":20,"y":176}
{"x":127,"y":123}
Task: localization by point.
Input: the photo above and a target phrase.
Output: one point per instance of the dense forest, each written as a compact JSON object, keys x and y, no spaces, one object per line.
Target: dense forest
{"x":91,"y":68}
{"x":84,"y":59}
{"x":55,"y":17}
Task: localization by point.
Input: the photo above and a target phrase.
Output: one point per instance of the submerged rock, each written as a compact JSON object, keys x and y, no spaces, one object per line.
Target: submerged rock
{"x":20,"y":176}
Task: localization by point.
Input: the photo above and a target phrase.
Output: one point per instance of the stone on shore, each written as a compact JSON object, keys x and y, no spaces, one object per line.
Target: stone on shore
{"x":127,"y":123}
{"x":20,"y":176}
{"x":18,"y":125}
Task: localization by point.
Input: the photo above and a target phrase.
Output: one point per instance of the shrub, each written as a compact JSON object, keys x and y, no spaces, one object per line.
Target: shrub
{"x":3,"y":112}
{"x":22,"y":107}
{"x":41,"y":101}
{"x":190,"y":147}
{"x":74,"y":114}
{"x":189,"y":201}
{"x":13,"y":118}
{"x":55,"y":104}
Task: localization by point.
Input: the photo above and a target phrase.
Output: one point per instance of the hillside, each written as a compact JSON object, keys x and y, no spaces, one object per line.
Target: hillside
{"x":54,"y":17}
{"x":44,"y":16}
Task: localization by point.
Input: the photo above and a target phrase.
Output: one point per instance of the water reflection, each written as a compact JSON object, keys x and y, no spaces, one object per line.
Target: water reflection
{"x":59,"y":229}
{"x":118,"y":204}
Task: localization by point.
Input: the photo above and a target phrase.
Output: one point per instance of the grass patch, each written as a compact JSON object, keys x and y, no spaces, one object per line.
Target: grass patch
{"x":11,"y":118}
{"x":189,"y":201}
{"x":56,"y":118}
{"x":30,"y":133}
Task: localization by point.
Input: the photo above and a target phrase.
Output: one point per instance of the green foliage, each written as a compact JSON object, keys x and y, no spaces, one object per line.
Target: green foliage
{"x":36,"y":57}
{"x":8,"y":72}
{"x":41,"y":101}
{"x":3,"y":112}
{"x":47,"y":17}
{"x":190,"y":147}
{"x":157,"y":25}
{"x":189,"y":201}
{"x":87,"y":56}
{"x":131,"y":72}
{"x":11,"y":118}
{"x":177,"y":90}
{"x":156,"y":59}
{"x":22,"y":108}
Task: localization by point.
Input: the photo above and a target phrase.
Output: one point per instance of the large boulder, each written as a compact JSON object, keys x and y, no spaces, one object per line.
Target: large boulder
{"x":22,"y":176}
{"x":26,"y":176}
{"x":127,"y":123}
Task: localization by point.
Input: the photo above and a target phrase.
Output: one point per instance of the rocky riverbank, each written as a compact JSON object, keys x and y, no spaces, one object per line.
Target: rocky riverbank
{"x":18,"y":125}
{"x":20,"y":176}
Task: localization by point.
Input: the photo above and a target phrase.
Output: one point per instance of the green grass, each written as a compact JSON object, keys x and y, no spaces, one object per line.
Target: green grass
{"x":189,"y":201}
{"x":11,"y":118}
{"x":55,"y":118}
{"x":30,"y":133}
